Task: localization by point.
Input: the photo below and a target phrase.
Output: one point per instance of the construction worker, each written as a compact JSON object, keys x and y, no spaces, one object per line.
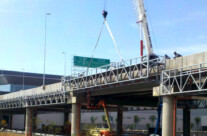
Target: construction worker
{"x":177,"y":55}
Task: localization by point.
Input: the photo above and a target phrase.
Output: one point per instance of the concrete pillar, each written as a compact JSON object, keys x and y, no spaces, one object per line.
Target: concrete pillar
{"x":1,"y":116}
{"x":28,"y":122}
{"x":10,"y":121}
{"x":186,"y":121}
{"x":66,"y":117}
{"x":75,"y":119}
{"x":34,"y":124}
{"x":167,"y":117}
{"x":120,"y":121}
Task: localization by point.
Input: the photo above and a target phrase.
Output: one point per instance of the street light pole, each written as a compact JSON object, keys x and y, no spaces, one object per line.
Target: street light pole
{"x":47,"y":14}
{"x":65,"y":64}
{"x":22,"y":78}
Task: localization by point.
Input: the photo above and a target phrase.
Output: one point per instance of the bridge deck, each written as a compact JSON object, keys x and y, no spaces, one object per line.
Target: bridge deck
{"x":130,"y":72}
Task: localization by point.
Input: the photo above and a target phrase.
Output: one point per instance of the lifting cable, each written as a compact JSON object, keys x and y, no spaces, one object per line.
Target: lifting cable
{"x":99,"y":36}
{"x":112,"y":37}
{"x":105,"y":13}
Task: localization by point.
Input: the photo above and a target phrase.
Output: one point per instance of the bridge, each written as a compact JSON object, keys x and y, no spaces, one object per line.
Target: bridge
{"x":139,"y":83}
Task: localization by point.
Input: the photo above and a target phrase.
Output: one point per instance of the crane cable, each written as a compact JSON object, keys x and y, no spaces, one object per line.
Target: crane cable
{"x":99,"y":36}
{"x":112,"y":37}
{"x":105,"y":13}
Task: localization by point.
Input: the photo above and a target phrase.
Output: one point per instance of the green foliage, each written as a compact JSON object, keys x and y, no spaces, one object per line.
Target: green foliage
{"x":57,"y":130}
{"x":51,"y":128}
{"x":148,"y":125}
{"x":35,"y":122}
{"x":104,"y":118}
{"x":191,"y":125}
{"x":197,"y":121}
{"x":88,"y":126}
{"x":131,"y":127}
{"x":93,"y":119}
{"x":3,"y":123}
{"x":152,"y":118}
{"x":136,"y":120}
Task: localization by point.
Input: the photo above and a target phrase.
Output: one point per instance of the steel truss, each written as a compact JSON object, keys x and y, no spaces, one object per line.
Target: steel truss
{"x":193,"y":104}
{"x":191,"y":79}
{"x":124,"y":71}
{"x":46,"y":98}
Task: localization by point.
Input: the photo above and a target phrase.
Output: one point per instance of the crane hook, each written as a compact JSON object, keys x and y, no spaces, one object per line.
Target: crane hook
{"x":104,"y":13}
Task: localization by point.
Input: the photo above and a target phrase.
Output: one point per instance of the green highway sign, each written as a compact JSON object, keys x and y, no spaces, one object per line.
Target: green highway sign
{"x":89,"y":62}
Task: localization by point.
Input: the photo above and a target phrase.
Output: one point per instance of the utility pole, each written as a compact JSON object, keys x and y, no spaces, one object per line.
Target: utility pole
{"x":47,"y":14}
{"x":65,"y":64}
{"x":23,"y":78}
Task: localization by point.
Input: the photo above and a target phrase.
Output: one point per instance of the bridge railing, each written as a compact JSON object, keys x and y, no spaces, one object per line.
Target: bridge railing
{"x":129,"y":70}
{"x":53,"y":94}
{"x":189,"y":79}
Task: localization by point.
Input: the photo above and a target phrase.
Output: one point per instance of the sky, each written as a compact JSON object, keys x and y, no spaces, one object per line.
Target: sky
{"x":74,"y":25}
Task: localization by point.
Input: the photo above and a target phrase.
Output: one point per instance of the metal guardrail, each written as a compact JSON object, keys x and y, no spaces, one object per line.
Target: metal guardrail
{"x":190,"y":79}
{"x":48,"y":98}
{"x":130,"y":70}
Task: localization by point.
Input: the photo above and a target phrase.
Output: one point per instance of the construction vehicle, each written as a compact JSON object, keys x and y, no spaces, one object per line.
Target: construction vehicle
{"x":100,"y":131}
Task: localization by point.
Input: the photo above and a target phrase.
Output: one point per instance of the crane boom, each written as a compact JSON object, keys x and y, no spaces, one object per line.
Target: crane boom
{"x":145,"y":28}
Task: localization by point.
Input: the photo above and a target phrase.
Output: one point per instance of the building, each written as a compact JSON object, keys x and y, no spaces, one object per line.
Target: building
{"x":12,"y":81}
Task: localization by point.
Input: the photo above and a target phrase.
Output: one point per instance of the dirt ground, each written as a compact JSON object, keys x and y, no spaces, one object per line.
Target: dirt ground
{"x":10,"y":134}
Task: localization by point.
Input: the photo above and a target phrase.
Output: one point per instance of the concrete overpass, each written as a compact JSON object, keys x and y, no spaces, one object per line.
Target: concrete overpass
{"x":132,"y":80}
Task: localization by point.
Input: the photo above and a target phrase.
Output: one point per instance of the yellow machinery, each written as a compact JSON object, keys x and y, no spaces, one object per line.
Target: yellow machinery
{"x":101,"y":131}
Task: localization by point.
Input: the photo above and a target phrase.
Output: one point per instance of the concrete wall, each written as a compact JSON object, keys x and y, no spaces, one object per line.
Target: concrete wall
{"x":58,"y":118}
{"x":204,"y":121}
{"x":46,"y":119}
{"x":18,"y":121}
{"x":186,"y":60}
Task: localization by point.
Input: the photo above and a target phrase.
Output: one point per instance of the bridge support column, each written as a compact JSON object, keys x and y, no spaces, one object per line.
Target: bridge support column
{"x":167,"y":118}
{"x":28,"y":122}
{"x":34,"y":114}
{"x":186,"y":121}
{"x":75,"y":120}
{"x":10,"y":121}
{"x":120,"y":121}
{"x":1,"y":116}
{"x":66,"y":117}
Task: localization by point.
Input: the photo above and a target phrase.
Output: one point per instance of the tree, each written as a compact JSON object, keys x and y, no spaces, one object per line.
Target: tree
{"x":148,"y":126}
{"x":93,"y":119}
{"x":136,"y":120}
{"x":131,"y":127}
{"x":191,"y":125}
{"x":152,"y":119}
{"x":197,"y":121}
